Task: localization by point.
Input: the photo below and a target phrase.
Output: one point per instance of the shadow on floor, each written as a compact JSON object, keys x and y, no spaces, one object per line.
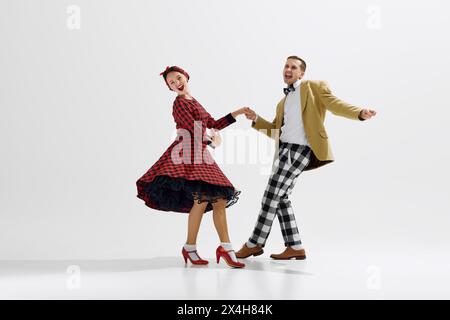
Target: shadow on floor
{"x":24,"y":267}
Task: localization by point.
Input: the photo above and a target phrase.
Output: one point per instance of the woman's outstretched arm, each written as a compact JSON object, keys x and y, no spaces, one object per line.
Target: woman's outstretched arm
{"x":224,"y":121}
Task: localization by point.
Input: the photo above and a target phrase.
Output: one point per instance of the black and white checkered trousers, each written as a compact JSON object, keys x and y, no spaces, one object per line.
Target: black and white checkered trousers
{"x":292,"y":160}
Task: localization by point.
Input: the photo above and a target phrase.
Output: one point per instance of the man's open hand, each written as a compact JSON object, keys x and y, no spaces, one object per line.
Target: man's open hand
{"x":366,"y":114}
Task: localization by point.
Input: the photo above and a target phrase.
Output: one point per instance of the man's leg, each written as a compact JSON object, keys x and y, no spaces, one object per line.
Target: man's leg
{"x":282,"y":177}
{"x":288,"y":224}
{"x":300,"y":158}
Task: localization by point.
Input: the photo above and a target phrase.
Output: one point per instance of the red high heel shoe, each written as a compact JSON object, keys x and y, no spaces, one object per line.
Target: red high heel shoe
{"x":221,"y":252}
{"x":186,"y":257}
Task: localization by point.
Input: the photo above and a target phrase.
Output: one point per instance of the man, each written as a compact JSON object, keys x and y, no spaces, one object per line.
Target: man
{"x":301,"y":144}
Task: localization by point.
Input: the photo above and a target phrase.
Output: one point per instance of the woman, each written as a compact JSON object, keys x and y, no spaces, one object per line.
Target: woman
{"x":186,"y":178}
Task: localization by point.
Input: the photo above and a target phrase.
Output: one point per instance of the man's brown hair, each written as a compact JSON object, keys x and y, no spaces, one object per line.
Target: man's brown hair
{"x":303,"y":66}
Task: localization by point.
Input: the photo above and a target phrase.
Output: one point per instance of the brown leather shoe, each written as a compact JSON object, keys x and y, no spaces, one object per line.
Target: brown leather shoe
{"x":290,"y":253}
{"x":246,"y":252}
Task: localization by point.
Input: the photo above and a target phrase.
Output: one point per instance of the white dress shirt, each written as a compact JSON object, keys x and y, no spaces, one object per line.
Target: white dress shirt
{"x":293,"y":130}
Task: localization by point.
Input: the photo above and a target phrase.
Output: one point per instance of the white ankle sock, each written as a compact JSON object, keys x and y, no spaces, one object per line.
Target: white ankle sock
{"x":227,"y":246}
{"x":189,"y":248}
{"x":250,"y":245}
{"x":297,"y":247}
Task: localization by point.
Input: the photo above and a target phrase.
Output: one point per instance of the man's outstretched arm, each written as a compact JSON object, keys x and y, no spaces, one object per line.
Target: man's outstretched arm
{"x":341,"y":108}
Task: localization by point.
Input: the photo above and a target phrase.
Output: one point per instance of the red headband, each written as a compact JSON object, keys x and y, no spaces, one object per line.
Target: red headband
{"x":170,"y":69}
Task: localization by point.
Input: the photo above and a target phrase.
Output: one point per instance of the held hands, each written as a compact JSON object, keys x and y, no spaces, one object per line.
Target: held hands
{"x":249,"y":113}
{"x":239,"y":111}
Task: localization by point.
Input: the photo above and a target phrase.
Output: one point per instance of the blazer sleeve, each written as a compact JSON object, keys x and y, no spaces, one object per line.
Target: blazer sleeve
{"x":264,"y":126}
{"x":337,"y":106}
{"x":220,"y":123}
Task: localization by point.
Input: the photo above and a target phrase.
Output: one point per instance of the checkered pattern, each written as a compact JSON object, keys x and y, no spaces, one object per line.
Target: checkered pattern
{"x":292,"y":160}
{"x":185,"y":113}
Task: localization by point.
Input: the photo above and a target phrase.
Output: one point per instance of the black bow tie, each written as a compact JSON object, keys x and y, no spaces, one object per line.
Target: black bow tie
{"x":288,"y":89}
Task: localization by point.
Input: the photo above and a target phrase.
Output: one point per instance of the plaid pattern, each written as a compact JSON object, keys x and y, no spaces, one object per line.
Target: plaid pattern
{"x":292,"y":160}
{"x":185,"y":113}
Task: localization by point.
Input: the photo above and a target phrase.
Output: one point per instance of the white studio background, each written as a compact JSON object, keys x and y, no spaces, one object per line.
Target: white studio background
{"x":84,"y":113}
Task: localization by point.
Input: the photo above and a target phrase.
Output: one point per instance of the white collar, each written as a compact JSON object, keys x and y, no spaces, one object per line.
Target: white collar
{"x":297,"y":83}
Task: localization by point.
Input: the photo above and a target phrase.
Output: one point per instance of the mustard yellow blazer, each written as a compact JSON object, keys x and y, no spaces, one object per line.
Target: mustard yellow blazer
{"x":316,"y":98}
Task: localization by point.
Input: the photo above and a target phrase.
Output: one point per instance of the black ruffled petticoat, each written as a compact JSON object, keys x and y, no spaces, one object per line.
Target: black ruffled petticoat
{"x":179,"y":194}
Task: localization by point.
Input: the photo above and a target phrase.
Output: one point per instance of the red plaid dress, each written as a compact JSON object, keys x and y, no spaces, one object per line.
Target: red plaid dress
{"x":186,"y":172}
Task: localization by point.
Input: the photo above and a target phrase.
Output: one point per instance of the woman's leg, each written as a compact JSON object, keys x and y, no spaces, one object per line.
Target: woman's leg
{"x":194,"y":220}
{"x":220,"y":220}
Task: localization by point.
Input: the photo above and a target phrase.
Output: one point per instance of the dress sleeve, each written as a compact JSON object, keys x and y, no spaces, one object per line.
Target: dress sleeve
{"x":221,"y":123}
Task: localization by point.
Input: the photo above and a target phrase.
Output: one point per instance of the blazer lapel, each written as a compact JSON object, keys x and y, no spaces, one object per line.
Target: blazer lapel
{"x":303,"y":95}
{"x":280,"y":112}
